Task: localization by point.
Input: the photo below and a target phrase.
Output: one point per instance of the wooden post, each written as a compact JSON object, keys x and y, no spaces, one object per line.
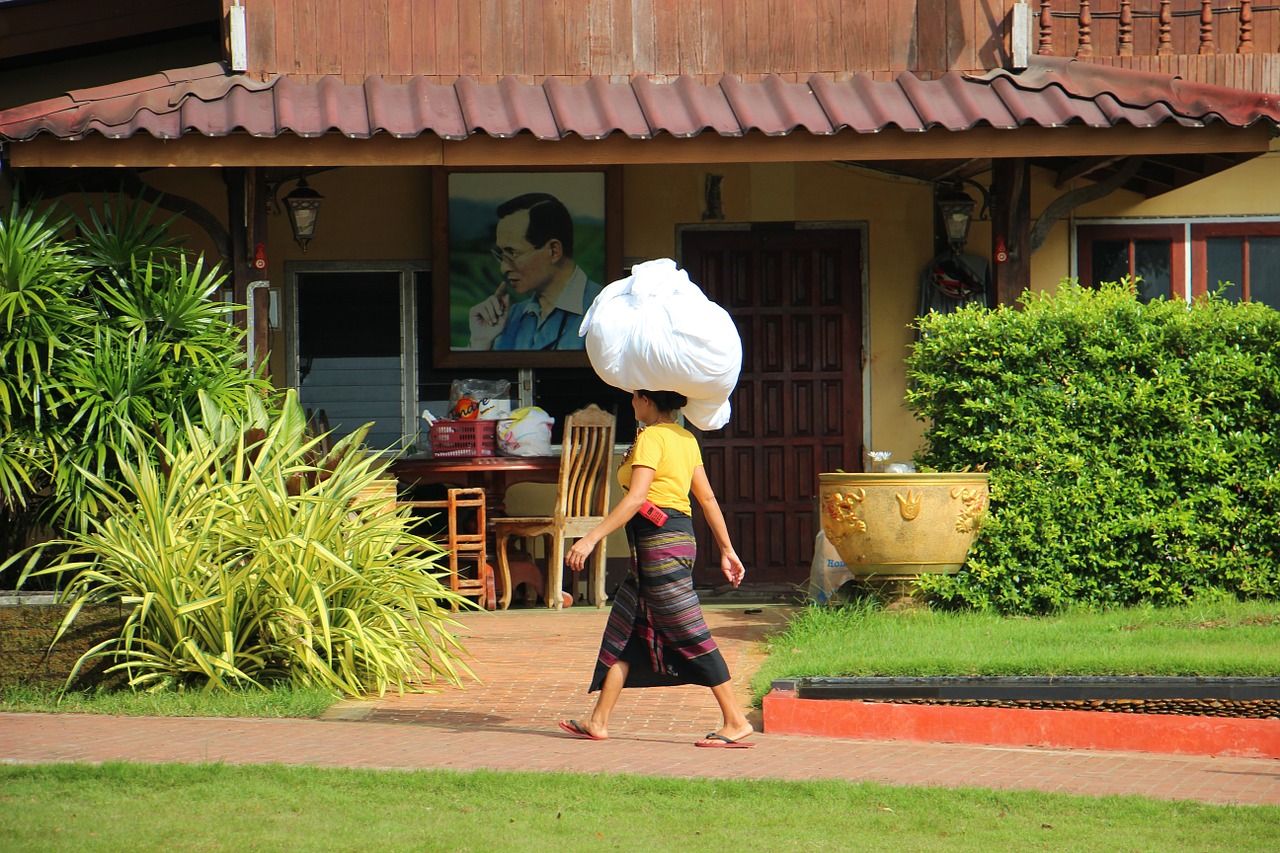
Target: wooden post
{"x":1126,"y":28}
{"x":1046,"y":29}
{"x":1084,"y":47}
{"x":1011,"y":225}
{"x":1246,"y":28}
{"x":1165,"y":47}
{"x":256,"y":228}
{"x":1207,"y":47}
{"x":241,"y":268}
{"x":247,"y":221}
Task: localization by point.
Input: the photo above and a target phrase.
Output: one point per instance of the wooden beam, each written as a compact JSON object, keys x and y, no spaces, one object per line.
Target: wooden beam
{"x":236,"y":150}
{"x":483,"y":150}
{"x":1011,"y":228}
{"x":256,"y":230}
{"x":963,"y":168}
{"x":237,"y":225}
{"x":1082,"y":169}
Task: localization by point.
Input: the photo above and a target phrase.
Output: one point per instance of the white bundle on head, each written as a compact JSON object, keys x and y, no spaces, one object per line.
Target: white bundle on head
{"x":656,"y":330}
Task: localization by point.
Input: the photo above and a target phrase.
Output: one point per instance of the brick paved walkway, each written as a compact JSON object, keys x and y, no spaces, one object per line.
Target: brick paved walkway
{"x":535,"y":665}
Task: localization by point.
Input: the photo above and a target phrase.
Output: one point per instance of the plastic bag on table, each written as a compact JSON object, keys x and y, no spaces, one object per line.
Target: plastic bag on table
{"x":658,"y":331}
{"x":526,"y":433}
{"x":482,"y":399}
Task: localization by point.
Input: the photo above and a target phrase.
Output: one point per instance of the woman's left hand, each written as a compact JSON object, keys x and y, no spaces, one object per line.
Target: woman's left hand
{"x":732,"y":568}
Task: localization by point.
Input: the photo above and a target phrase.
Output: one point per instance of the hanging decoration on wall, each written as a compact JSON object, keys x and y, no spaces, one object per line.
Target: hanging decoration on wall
{"x":952,"y":280}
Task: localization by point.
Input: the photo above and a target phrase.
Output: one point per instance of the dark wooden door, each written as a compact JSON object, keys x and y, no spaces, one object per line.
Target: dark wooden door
{"x":795,"y":296}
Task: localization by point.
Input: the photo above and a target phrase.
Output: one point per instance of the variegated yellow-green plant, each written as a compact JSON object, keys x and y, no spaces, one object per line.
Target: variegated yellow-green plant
{"x":249,"y":557}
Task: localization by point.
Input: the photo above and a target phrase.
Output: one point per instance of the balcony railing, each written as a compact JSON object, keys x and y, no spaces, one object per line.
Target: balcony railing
{"x":1233,"y":44}
{"x":1117,"y":28}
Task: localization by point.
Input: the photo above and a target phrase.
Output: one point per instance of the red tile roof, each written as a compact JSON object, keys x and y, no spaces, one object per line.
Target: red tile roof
{"x":1051,"y":93}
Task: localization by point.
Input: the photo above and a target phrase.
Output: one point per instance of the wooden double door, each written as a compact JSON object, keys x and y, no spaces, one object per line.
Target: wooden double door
{"x":796,"y":297}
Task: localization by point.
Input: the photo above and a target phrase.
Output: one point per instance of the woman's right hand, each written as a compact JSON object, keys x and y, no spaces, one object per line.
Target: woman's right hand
{"x":577,"y":556}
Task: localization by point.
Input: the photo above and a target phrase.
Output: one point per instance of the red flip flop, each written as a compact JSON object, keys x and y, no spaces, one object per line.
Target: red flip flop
{"x":576,"y":730}
{"x":715,"y":741}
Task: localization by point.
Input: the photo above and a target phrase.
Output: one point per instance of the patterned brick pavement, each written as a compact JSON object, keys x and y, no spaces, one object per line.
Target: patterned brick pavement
{"x":535,"y":664}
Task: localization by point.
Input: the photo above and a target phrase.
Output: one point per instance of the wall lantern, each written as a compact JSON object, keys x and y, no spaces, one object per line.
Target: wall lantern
{"x":303,"y":204}
{"x":956,"y":208}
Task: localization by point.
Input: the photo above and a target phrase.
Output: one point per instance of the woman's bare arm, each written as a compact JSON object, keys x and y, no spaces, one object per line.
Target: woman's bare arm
{"x":641,"y":480}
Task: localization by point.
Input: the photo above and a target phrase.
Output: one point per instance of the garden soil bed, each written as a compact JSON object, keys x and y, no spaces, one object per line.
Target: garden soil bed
{"x":1221,"y":716}
{"x":28,"y":624}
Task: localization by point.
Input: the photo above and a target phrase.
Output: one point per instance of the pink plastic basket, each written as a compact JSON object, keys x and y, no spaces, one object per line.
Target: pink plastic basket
{"x":464,"y":438}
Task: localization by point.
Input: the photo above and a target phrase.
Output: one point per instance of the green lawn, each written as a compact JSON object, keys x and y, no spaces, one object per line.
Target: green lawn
{"x":215,"y":807}
{"x":281,"y":702}
{"x":1214,"y":637}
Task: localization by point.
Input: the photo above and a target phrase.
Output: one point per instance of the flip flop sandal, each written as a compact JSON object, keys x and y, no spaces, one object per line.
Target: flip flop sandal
{"x":715,"y":741}
{"x":578,"y":731}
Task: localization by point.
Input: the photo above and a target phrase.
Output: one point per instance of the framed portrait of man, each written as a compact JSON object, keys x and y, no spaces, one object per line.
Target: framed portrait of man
{"x":518,"y":257}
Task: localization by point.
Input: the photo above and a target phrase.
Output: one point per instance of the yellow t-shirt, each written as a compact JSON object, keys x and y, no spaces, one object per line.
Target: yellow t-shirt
{"x":673,"y":454}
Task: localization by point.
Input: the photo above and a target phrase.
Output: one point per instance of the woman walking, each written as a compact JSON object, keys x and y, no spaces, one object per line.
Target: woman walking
{"x":656,"y":635}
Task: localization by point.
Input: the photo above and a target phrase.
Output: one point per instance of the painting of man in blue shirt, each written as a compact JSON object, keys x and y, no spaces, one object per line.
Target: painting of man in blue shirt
{"x":534,"y":251}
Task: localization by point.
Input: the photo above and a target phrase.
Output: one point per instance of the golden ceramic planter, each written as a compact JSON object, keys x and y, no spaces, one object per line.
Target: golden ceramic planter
{"x":898,"y":526}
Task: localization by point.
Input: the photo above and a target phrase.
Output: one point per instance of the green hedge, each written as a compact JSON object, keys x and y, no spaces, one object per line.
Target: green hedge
{"x":1132,"y":446}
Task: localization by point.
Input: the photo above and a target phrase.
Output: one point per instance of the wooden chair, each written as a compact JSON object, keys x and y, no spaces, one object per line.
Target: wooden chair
{"x":582,"y":502}
{"x":318,"y":426}
{"x":465,"y":547}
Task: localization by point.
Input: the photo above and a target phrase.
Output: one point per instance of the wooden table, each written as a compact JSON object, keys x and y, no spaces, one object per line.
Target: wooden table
{"x":494,"y":474}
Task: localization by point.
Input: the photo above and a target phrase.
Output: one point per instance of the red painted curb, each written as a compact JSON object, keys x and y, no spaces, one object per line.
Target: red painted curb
{"x":1164,"y":733}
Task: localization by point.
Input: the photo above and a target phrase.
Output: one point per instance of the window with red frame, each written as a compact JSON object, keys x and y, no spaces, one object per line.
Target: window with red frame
{"x":1246,"y":254}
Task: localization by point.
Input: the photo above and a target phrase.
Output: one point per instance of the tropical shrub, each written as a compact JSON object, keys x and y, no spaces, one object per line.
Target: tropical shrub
{"x":246,"y":557}
{"x":107,"y":332}
{"x":1132,"y":447}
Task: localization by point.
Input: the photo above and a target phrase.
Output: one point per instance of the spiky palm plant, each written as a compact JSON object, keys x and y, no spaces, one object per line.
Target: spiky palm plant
{"x":104,"y":336}
{"x":248,"y":557}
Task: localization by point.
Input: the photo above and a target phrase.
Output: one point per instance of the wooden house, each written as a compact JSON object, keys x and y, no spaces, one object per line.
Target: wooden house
{"x":794,"y":157}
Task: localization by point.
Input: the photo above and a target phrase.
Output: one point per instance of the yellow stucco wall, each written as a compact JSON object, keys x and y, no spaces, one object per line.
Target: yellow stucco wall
{"x":385,"y":213}
{"x":1250,"y":189}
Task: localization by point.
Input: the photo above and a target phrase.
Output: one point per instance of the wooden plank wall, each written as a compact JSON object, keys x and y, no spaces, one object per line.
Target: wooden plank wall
{"x":1257,"y":73}
{"x":663,"y":39}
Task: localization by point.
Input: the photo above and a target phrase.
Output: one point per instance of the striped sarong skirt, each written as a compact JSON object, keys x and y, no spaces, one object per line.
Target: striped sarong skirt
{"x":656,"y":623}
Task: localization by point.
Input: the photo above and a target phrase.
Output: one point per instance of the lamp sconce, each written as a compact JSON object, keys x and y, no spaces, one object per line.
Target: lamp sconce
{"x":303,"y":206}
{"x":955,"y":207}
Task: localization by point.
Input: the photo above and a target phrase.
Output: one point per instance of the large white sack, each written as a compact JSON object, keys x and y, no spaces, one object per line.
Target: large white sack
{"x":657,"y":330}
